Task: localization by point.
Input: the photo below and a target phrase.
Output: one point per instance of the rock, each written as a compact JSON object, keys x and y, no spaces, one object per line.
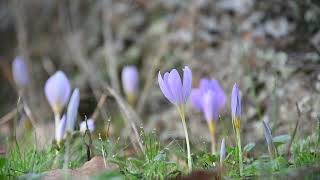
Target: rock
{"x":93,"y":167}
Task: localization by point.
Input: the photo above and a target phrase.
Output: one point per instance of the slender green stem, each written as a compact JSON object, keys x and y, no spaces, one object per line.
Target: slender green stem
{"x":239,"y":152}
{"x":183,"y":118}
{"x":236,"y":129}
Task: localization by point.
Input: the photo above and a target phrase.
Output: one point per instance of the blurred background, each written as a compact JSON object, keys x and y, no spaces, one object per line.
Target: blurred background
{"x":270,"y":48}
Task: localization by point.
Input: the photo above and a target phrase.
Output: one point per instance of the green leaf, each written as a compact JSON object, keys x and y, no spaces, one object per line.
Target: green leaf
{"x":282,"y":139}
{"x":249,"y":147}
{"x":2,"y":162}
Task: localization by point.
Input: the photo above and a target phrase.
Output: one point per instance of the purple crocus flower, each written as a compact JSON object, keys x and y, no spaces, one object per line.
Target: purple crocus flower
{"x":61,"y":128}
{"x":20,"y":72}
{"x":235,"y":102}
{"x":72,"y":110}
{"x":175,"y":90}
{"x":83,"y":126}
{"x":209,"y":98}
{"x":130,"y":80}
{"x":57,"y":90}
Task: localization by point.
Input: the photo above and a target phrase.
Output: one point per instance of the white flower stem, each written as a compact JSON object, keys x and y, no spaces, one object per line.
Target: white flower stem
{"x":57,"y":122}
{"x":183,"y":118}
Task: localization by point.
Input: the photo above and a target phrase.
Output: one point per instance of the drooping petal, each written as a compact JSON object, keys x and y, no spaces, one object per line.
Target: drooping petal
{"x":72,"y":110}
{"x":196,"y":99}
{"x":130,"y":80}
{"x":187,"y":83}
{"x":175,"y":85}
{"x":235,"y":102}
{"x":20,"y":72}
{"x":83,"y":126}
{"x":57,"y":90}
{"x":61,"y":128}
{"x":164,"y":87}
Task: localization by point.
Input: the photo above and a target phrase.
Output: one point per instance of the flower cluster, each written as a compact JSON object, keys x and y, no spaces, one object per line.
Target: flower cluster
{"x":209,"y":98}
{"x":57,"y":90}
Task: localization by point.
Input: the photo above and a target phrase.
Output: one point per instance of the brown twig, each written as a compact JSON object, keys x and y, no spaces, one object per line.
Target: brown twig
{"x":150,"y":79}
{"x":10,"y":115}
{"x":99,"y":106}
{"x":109,"y":50}
{"x":73,"y":42}
{"x":294,"y":131}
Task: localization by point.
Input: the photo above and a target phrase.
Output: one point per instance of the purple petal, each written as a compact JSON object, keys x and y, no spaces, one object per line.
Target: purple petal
{"x":175,"y":85}
{"x":72,"y":110}
{"x":83,"y":126}
{"x":57,"y":90}
{"x":130,"y":80}
{"x":187,"y":83}
{"x":221,"y":97}
{"x":164,"y":87}
{"x":196,"y":99}
{"x":20,"y":72}
{"x":61,"y":128}
{"x":235,"y":102}
{"x":210,"y":106}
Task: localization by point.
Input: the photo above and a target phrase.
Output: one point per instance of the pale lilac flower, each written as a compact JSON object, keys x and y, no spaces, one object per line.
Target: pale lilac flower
{"x":20,"y":72}
{"x":235,"y":102}
{"x":57,"y":90}
{"x":72,"y":110}
{"x":178,"y":92}
{"x":61,"y":128}
{"x":83,"y":126}
{"x":130,"y":80}
{"x":175,"y":90}
{"x":222,"y":151}
{"x":209,"y":98}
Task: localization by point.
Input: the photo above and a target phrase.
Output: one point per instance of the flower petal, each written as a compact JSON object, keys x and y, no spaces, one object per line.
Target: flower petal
{"x":221,"y":97}
{"x":20,"y":72}
{"x":130,"y":80}
{"x":164,"y":88}
{"x":235,"y":102}
{"x":57,"y":90}
{"x":72,"y":110}
{"x":187,"y":83}
{"x":175,"y":85}
{"x":210,"y":106}
{"x":196,"y":99}
{"x":61,"y":128}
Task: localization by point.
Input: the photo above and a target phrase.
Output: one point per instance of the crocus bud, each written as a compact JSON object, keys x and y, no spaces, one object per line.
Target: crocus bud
{"x":83,"y":126}
{"x":130,"y":82}
{"x":175,"y":90}
{"x":61,"y":129}
{"x":57,"y":90}
{"x":222,"y":151}
{"x":72,"y":111}
{"x":236,"y":107}
{"x":20,"y":72}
